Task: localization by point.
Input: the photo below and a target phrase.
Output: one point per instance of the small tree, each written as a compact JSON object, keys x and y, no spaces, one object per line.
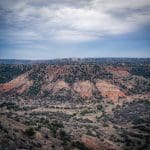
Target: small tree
{"x":30,"y":131}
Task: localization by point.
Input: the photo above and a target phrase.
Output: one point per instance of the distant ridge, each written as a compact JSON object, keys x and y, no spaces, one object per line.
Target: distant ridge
{"x":71,"y":60}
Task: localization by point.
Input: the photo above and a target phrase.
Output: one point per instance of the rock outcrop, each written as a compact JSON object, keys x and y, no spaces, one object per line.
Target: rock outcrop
{"x":109,"y":91}
{"x":20,"y":84}
{"x":60,"y":85}
{"x":84,"y":88}
{"x":55,"y":86}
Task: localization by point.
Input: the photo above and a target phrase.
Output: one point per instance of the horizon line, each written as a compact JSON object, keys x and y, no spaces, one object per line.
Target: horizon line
{"x":80,"y":58}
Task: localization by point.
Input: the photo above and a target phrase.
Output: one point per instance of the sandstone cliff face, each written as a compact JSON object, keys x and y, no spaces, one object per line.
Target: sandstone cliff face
{"x":56,"y":86}
{"x":84,"y":88}
{"x":60,"y":85}
{"x":108,"y":90}
{"x":21,"y":84}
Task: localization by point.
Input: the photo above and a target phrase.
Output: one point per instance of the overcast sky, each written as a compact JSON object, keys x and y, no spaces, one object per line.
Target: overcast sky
{"x":47,"y":29}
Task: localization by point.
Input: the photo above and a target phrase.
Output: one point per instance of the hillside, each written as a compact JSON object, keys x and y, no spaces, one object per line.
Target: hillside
{"x":75,"y":104}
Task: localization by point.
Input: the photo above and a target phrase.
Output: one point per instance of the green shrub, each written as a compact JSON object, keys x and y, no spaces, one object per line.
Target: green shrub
{"x":99,"y":107}
{"x":30,"y":131}
{"x":64,"y":136}
{"x":89,"y":133}
{"x":54,"y":126}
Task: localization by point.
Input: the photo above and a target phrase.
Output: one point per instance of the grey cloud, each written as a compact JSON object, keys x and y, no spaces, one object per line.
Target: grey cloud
{"x":73,"y":20}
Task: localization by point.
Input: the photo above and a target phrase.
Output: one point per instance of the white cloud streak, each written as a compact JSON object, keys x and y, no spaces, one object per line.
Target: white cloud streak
{"x":73,"y":21}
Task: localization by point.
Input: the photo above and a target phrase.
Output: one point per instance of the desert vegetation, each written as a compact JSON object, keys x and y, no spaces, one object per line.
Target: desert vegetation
{"x":87,"y":104}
